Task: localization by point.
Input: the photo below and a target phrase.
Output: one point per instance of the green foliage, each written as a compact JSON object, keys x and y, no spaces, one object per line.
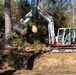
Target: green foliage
{"x":19,"y":10}
{"x":19,"y":39}
{"x":41,"y":25}
{"x":23,"y":8}
{"x":23,"y":24}
{"x":41,"y":32}
{"x":16,"y":60}
{"x":59,"y":12}
{"x":61,"y":19}
{"x":11,"y":58}
{"x":62,"y":16}
{"x":59,"y":9}
{"x":74,"y":26}
{"x":1,"y":15}
{"x":13,"y":35}
{"x":14,"y":12}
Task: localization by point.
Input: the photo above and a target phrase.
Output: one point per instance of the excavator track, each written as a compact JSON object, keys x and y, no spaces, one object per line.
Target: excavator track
{"x":60,"y":49}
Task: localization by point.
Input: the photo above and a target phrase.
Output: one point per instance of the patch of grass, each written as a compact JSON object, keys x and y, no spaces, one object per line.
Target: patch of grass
{"x":1,"y":52}
{"x":17,"y":59}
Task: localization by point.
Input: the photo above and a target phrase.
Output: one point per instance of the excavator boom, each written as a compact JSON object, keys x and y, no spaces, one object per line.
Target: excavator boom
{"x":49,"y":19}
{"x":45,"y":15}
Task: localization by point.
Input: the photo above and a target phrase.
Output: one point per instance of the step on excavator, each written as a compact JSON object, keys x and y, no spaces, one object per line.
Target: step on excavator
{"x":64,"y":42}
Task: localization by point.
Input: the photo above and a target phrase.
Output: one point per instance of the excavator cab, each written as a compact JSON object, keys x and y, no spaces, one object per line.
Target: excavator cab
{"x":66,"y":35}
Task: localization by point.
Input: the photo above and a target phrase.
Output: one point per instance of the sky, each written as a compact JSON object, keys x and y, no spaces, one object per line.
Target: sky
{"x":29,"y":1}
{"x":25,"y":0}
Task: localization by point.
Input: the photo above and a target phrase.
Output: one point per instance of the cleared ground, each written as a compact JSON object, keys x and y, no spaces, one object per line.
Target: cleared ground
{"x":40,"y":63}
{"x":47,"y":64}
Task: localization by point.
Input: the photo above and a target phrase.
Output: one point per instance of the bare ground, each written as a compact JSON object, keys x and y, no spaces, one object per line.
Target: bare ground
{"x":44,"y":64}
{"x":47,"y":64}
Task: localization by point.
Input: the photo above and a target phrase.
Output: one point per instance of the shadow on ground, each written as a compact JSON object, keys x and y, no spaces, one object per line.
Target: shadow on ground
{"x":30,"y":61}
{"x":9,"y":72}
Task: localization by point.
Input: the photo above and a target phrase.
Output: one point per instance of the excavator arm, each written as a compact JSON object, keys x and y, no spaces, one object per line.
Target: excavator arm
{"x":19,"y":28}
{"x":33,"y":13}
{"x":49,"y":19}
{"x":30,"y":15}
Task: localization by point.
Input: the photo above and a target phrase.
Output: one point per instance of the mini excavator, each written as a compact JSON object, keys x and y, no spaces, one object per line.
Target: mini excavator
{"x":65,"y":40}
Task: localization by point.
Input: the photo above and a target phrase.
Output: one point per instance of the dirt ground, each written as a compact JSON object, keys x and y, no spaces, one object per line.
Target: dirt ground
{"x":45,"y":64}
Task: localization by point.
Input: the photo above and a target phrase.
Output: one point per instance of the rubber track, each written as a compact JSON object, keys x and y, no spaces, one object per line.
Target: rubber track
{"x":60,"y":49}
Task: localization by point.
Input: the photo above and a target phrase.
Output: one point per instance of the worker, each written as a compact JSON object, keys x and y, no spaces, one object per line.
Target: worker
{"x":65,"y":39}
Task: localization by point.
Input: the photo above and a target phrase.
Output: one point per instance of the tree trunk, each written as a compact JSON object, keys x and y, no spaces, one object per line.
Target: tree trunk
{"x":7,"y":19}
{"x":41,"y":4}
